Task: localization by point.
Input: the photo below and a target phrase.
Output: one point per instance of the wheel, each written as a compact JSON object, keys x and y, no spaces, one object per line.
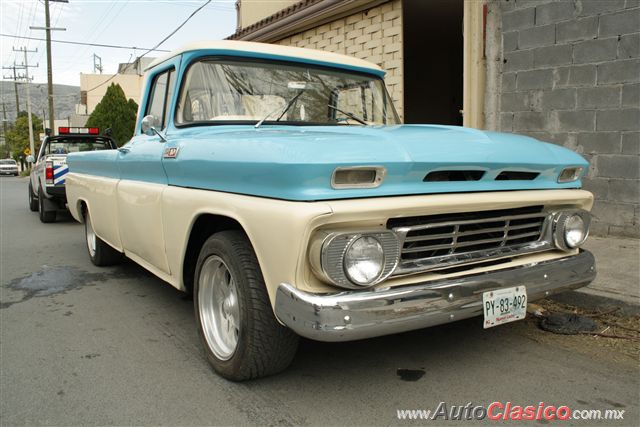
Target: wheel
{"x":101,"y":254}
{"x":33,"y":202}
{"x":241,"y":336}
{"x":45,"y":215}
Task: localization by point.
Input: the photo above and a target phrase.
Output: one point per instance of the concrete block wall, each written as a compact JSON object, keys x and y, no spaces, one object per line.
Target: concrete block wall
{"x":571,"y":75}
{"x":374,"y":35}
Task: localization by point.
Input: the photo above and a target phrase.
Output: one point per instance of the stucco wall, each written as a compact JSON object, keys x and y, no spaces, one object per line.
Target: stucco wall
{"x":374,"y":35}
{"x":252,"y":11}
{"x":570,"y":74}
{"x":131,"y":85}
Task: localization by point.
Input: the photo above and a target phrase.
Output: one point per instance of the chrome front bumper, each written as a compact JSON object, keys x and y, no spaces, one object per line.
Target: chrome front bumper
{"x":354,"y":315}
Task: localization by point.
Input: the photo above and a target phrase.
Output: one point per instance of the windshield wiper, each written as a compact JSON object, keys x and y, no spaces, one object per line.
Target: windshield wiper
{"x":284,"y":111}
{"x":350,"y":115}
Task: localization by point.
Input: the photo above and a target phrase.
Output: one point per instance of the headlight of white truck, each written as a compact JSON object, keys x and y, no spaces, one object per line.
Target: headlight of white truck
{"x":355,"y":259}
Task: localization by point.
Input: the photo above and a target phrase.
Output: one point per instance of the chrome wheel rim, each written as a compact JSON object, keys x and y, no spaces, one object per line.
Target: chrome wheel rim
{"x":91,"y":236}
{"x":218,"y":307}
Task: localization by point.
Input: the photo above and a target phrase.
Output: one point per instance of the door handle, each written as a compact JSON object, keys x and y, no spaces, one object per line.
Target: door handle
{"x":124,"y":150}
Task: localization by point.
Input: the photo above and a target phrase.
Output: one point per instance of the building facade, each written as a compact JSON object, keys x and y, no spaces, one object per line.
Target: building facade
{"x":130,"y":77}
{"x":566,"y":72}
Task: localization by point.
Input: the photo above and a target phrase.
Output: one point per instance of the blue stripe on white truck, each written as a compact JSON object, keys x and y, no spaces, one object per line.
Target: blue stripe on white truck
{"x":59,"y":173}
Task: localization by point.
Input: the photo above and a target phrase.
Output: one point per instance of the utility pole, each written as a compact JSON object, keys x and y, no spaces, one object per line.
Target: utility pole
{"x":27,"y":79}
{"x":15,"y":84}
{"x":97,"y":63}
{"x":4,"y":122}
{"x":4,"y":151}
{"x":48,"y":30}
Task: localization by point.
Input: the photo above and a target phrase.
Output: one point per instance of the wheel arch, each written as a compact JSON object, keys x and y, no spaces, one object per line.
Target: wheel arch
{"x":202,"y":227}
{"x":80,"y":210}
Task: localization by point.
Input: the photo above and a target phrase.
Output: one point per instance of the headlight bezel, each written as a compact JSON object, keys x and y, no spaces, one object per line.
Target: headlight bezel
{"x":560,"y":221}
{"x":333,"y":248}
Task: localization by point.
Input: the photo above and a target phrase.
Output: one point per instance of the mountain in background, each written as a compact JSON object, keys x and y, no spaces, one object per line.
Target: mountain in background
{"x":65,"y":99}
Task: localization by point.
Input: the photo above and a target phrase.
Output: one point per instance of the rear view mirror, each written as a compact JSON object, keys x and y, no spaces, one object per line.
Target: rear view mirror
{"x":30,"y":159}
{"x":148,"y":123}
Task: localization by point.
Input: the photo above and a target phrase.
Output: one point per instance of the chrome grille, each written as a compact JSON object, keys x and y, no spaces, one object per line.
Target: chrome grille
{"x":441,"y":241}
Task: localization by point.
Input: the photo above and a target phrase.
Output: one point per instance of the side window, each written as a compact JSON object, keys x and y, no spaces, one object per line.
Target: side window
{"x":161,"y":93}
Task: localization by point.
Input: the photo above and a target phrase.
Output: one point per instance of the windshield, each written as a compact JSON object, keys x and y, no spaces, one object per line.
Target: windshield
{"x":8,"y":162}
{"x":241,"y":91}
{"x":73,"y":145}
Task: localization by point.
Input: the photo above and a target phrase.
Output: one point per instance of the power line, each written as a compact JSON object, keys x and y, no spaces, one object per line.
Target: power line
{"x":157,"y":45}
{"x":112,"y":46}
{"x":179,"y":26}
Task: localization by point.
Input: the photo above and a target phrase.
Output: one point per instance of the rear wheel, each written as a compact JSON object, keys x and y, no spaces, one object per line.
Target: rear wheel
{"x":101,"y":254}
{"x":45,"y":215}
{"x":33,"y":202}
{"x":241,"y":336}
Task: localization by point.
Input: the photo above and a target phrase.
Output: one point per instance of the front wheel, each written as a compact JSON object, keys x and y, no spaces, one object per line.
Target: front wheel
{"x":101,"y":254}
{"x":241,"y":336}
{"x":33,"y":202}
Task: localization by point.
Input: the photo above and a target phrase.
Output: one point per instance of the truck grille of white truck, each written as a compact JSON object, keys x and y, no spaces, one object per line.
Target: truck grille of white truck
{"x":441,"y":241}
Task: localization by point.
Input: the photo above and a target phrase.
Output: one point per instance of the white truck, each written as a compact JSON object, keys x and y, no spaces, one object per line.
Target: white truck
{"x":47,"y":192}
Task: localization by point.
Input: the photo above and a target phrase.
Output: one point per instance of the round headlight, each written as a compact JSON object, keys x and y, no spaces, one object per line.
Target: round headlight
{"x":574,"y":231}
{"x":571,"y":229}
{"x":364,"y":260}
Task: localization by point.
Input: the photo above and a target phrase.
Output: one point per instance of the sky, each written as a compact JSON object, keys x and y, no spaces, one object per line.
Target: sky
{"x":130,"y":23}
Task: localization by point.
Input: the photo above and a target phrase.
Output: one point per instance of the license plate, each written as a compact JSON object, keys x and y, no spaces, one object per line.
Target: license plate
{"x":504,"y":306}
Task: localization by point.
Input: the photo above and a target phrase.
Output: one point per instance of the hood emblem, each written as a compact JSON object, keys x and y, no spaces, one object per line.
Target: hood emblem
{"x":170,"y":153}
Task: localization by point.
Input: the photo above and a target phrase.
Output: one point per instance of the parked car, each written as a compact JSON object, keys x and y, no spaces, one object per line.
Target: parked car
{"x":279,"y":186}
{"x":9,"y":167}
{"x":46,"y":192}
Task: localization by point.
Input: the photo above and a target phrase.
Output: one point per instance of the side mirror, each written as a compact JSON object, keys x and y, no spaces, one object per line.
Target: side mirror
{"x":30,"y":159}
{"x":148,"y":127}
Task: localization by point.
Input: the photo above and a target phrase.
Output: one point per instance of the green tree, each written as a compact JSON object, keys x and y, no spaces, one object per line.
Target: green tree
{"x":115,"y":112}
{"x":18,"y":136}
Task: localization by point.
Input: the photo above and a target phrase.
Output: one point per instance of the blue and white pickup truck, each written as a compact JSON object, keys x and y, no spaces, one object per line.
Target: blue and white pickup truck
{"x":47,"y":178}
{"x":279,"y":186}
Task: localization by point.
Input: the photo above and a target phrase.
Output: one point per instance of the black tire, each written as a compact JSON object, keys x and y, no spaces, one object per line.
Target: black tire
{"x":46,"y":216}
{"x":264,"y":347}
{"x":100,"y":253}
{"x":33,"y":202}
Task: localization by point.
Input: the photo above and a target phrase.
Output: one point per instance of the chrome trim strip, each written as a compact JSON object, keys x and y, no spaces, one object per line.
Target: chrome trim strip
{"x":473,"y":221}
{"x":353,"y":315}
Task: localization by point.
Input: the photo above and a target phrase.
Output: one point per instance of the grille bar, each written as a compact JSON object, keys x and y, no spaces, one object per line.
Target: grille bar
{"x":471,"y":243}
{"x":473,"y":221}
{"x":441,"y":241}
{"x":471,"y":233}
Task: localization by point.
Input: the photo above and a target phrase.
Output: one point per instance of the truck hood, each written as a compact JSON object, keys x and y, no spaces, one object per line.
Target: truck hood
{"x":296,"y":162}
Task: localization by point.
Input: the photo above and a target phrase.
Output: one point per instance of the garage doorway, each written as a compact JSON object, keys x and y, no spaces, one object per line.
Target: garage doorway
{"x":433,"y":61}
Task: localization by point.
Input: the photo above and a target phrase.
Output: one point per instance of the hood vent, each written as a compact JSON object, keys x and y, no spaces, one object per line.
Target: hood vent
{"x":456,"y":175}
{"x":517,"y":176}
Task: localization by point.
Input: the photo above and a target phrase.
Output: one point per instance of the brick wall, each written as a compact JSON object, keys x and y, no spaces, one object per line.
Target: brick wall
{"x":570,"y":75}
{"x":374,"y":35}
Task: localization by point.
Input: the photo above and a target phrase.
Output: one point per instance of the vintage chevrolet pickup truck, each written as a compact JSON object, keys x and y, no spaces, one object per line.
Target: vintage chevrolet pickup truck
{"x":278,"y":186}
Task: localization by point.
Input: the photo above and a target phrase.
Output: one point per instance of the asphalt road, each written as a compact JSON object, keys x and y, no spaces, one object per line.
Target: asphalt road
{"x":82,"y":345}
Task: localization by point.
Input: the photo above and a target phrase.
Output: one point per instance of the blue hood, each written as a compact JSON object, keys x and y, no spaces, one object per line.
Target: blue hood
{"x":296,"y":163}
